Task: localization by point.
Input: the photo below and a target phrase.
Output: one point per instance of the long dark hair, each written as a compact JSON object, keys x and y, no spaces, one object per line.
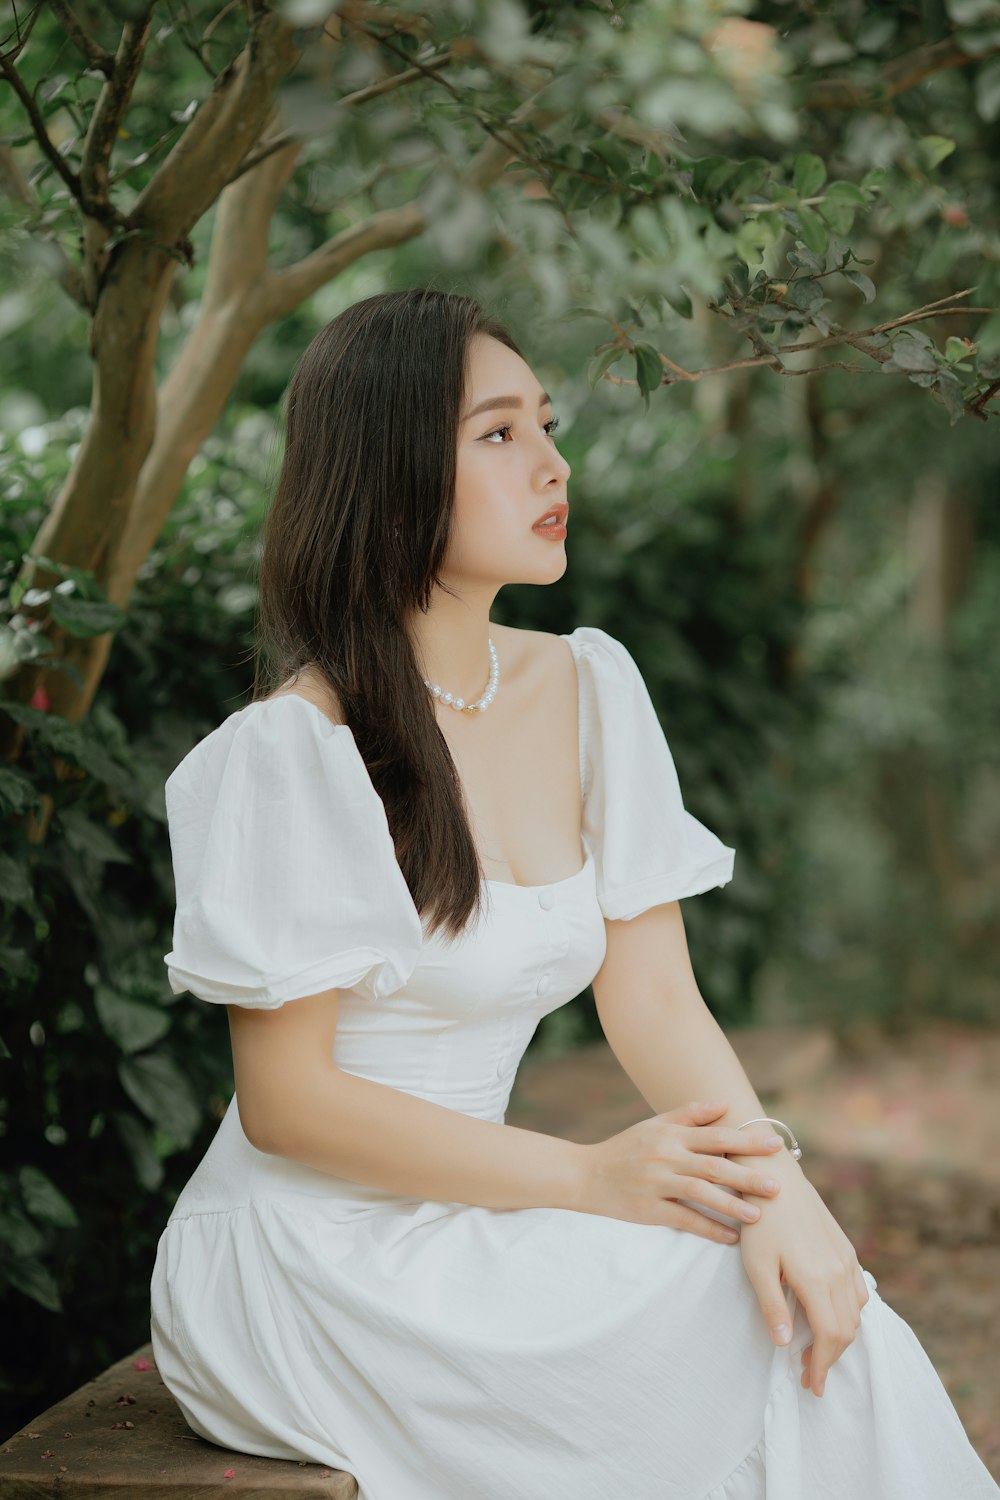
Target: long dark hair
{"x":355,"y":538}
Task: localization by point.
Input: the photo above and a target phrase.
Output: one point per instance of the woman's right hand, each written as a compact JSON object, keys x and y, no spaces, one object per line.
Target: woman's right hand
{"x":640,"y":1174}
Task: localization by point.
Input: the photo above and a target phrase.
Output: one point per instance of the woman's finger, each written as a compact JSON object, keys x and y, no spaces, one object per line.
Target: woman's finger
{"x":704,"y":1198}
{"x":824,"y":1321}
{"x":845,"y":1303}
{"x":677,"y":1216}
{"x":767,"y":1285}
{"x":730,"y":1174}
{"x":722,"y":1141}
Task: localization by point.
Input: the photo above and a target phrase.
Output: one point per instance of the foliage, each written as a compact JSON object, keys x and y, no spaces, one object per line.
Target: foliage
{"x":109,"y":1087}
{"x":666,"y":167}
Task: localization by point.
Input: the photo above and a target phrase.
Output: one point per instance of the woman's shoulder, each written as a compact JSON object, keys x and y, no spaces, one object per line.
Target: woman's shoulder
{"x":527,"y":645}
{"x":301,"y":710}
{"x":585,"y":643}
{"x":310,"y":683}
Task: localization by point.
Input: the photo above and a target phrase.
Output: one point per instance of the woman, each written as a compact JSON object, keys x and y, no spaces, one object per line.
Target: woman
{"x":435,"y":831}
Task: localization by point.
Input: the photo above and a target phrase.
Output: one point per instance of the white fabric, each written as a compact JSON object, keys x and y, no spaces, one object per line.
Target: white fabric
{"x":648,"y":847}
{"x":284,"y":867}
{"x":445,"y":1351}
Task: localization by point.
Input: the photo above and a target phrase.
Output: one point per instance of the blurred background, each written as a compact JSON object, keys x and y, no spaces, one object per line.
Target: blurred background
{"x":803,"y":558}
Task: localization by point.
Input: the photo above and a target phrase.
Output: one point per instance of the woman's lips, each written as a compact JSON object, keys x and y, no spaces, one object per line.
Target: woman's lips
{"x":556,"y":527}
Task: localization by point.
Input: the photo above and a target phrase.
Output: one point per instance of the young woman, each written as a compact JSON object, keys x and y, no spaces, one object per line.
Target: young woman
{"x":424,"y":833}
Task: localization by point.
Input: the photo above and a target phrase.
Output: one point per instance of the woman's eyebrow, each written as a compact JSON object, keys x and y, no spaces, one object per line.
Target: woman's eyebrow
{"x":495,"y":402}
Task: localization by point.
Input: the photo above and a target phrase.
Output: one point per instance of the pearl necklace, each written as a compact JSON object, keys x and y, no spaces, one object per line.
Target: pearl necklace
{"x":481,"y":704}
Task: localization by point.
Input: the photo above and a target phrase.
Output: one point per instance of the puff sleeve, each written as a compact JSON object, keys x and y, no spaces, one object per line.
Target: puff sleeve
{"x":284,"y":866}
{"x":646,"y":846}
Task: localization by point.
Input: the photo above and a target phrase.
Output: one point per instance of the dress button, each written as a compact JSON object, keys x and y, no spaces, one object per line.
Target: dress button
{"x":544,"y":985}
{"x":546,"y":899}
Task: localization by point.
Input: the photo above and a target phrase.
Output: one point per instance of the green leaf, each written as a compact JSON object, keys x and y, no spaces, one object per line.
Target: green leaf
{"x":970,"y":12}
{"x":987,"y":89}
{"x":849,"y":191}
{"x":680,"y":302}
{"x":85,"y":617}
{"x":932,"y":150}
{"x":21,"y":1238}
{"x":611,"y":150}
{"x":875,"y":180}
{"x":813,"y":230}
{"x":130,"y":1026}
{"x":875,"y":32}
{"x":88,"y":837}
{"x":949,"y":387}
{"x":978,"y":41}
{"x":648,"y":368}
{"x":771,"y":226}
{"x":712,"y":173}
{"x":806,"y":259}
{"x":809,"y":174}
{"x":36,"y":1282}
{"x":909,"y":355}
{"x":159,"y":1088}
{"x":956,"y":349}
{"x":864,"y":284}
{"x":17,"y":791}
{"x":44,"y":1201}
{"x":86,"y":584}
{"x":750,"y":176}
{"x":148,"y":1168}
{"x":15,"y":885}
{"x":806,"y":294}
{"x":839,"y":214}
{"x":598,"y":363}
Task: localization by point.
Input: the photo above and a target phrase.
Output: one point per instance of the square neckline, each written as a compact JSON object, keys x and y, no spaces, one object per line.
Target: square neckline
{"x":514,"y":885}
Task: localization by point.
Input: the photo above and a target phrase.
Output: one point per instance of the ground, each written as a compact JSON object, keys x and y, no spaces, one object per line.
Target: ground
{"x":901,"y":1136}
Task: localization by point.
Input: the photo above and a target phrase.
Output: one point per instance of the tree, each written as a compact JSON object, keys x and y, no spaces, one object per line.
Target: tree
{"x":652,"y":149}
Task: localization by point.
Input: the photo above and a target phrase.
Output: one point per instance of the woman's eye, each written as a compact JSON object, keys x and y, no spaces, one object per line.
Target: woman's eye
{"x":550,"y":428}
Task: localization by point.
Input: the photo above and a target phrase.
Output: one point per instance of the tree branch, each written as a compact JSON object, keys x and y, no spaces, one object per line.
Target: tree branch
{"x":510,"y":151}
{"x":861,"y":341}
{"x":284,"y":290}
{"x":109,"y":112}
{"x":21,"y":33}
{"x":221,"y":133}
{"x":37,"y":121}
{"x":97,"y":56}
{"x":898,"y":75}
{"x":349,"y":101}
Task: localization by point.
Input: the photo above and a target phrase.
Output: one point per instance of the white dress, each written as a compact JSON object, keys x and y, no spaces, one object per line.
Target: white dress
{"x":444,"y":1351}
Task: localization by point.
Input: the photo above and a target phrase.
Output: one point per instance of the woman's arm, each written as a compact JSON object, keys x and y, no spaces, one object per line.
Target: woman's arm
{"x":296,"y":1103}
{"x":661,"y":1030}
{"x":672,"y":1048}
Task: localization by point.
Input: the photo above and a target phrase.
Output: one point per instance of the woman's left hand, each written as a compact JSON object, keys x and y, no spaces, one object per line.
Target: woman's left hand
{"x":797,"y":1240}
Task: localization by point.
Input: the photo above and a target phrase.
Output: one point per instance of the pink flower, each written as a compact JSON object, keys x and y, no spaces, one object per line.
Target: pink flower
{"x":142,"y":1363}
{"x":229,"y":1474}
{"x":40,"y":699}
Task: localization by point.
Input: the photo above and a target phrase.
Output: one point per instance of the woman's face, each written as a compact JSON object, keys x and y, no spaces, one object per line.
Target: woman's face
{"x":509,"y":474}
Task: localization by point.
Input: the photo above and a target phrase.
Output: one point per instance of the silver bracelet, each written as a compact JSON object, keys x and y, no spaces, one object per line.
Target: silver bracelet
{"x":792,"y":1143}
